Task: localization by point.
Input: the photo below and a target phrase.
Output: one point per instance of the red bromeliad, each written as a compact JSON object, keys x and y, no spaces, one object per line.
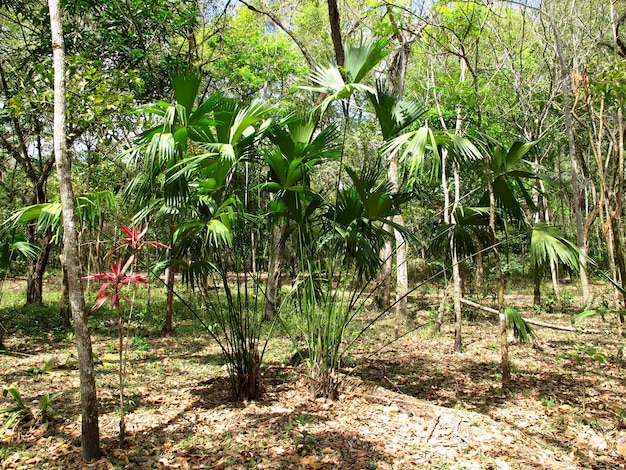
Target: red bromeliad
{"x":113,"y":281}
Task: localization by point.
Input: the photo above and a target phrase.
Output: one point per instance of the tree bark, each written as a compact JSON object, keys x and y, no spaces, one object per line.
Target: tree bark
{"x":397,"y":76}
{"x":456,"y":271}
{"x":335,"y":32}
{"x":36,"y":271}
{"x":65,"y":309}
{"x":383,"y":283}
{"x":402,"y":280}
{"x":170,"y":275}
{"x":277,"y":253}
{"x":90,"y":436}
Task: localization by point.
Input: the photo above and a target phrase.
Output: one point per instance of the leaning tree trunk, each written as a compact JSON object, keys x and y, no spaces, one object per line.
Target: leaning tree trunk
{"x":90,"y":438}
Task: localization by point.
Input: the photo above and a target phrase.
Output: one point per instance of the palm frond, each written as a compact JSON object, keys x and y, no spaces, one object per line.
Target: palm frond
{"x":522,"y":330}
{"x":549,"y":243}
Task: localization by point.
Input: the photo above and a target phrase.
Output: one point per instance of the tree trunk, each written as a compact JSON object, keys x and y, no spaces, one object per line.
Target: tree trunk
{"x":442,"y":308}
{"x":36,"y":271}
{"x":397,"y":75}
{"x":504,"y":345}
{"x":335,"y":32}
{"x":65,"y":309}
{"x":619,"y":194}
{"x":277,"y":253}
{"x":170,"y":279}
{"x":402,"y":280}
{"x":170,"y":276}
{"x":456,"y":268}
{"x":402,"y":274}
{"x":383,"y":283}
{"x":537,"y":275}
{"x":90,"y":436}
{"x":480,"y":268}
{"x":567,"y":115}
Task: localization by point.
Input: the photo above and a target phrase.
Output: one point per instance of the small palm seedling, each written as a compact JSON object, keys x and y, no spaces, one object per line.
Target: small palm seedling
{"x":18,"y":414}
{"x":48,"y":367}
{"x":46,"y":412}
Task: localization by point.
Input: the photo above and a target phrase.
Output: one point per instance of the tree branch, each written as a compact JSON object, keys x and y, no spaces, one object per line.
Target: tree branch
{"x":551,"y":326}
{"x":287,"y":31}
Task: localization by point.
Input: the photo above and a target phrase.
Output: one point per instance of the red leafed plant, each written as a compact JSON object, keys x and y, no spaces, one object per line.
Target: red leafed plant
{"x":133,"y":240}
{"x":118,"y":277}
{"x":113,"y":281}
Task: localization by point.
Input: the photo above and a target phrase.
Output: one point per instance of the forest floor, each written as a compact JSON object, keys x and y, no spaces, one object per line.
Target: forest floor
{"x":413,"y":404}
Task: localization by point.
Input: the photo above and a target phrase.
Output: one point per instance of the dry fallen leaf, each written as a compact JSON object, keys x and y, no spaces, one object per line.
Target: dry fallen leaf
{"x":312,"y":461}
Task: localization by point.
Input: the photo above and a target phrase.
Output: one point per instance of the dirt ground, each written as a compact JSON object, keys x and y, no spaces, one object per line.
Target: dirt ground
{"x":411,"y":405}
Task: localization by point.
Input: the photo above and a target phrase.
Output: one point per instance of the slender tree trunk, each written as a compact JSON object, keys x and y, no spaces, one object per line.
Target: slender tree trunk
{"x":37,"y":270}
{"x":504,"y":344}
{"x":170,"y":279}
{"x":383,"y":283}
{"x":456,"y":268}
{"x":480,"y":268}
{"x":569,"y":128}
{"x":402,"y":274}
{"x":397,"y":75}
{"x":442,"y":308}
{"x":402,"y":279}
{"x":90,"y":437}
{"x":537,"y":276}
{"x":448,"y":216}
{"x":554,"y":268}
{"x":277,"y":253}
{"x":620,"y":174}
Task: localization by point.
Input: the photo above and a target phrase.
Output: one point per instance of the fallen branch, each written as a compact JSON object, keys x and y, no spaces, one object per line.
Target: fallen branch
{"x":530,"y":321}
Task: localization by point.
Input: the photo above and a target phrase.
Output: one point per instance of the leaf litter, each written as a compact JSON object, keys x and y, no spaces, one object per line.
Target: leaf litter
{"x":412,"y":405}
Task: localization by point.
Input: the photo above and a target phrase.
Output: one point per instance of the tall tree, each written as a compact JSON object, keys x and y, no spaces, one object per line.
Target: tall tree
{"x":90,"y":442}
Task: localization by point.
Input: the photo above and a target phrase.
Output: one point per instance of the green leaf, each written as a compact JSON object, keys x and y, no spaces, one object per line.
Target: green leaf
{"x":522,"y":330}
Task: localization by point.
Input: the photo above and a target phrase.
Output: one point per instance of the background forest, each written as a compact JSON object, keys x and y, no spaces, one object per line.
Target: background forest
{"x":289,"y":203}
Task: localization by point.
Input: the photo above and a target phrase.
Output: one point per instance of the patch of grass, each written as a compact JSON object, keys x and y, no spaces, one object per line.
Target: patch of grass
{"x":35,"y":320}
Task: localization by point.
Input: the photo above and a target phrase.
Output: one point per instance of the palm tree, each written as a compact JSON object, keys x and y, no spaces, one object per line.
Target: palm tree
{"x":336,"y":83}
{"x":188,"y":162}
{"x":297,"y":149}
{"x":340,"y":250}
{"x":394,"y":115}
{"x":189,"y":142}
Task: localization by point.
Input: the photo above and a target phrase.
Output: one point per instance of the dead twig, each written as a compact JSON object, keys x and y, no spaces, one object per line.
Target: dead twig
{"x":431,"y":428}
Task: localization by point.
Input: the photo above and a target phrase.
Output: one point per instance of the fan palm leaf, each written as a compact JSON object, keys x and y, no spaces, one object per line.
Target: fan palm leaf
{"x":548,"y":243}
{"x":340,"y":83}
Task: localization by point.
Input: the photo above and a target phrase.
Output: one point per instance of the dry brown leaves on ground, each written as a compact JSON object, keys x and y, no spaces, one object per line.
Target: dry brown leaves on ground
{"x":412,"y":405}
